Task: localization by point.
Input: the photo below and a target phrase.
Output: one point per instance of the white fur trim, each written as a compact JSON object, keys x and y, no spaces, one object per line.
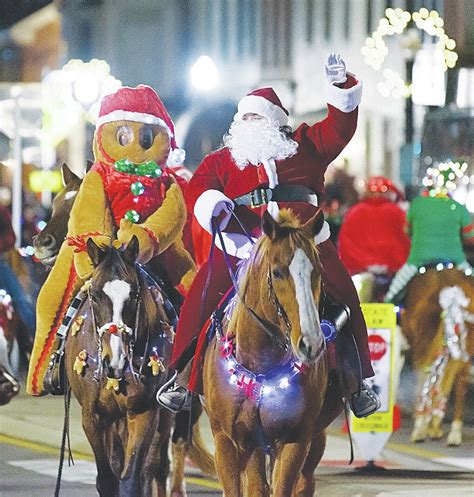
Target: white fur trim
{"x":252,"y":104}
{"x":176,"y":157}
{"x":344,"y":99}
{"x":271,"y":170}
{"x":324,"y":234}
{"x":236,"y":244}
{"x":124,"y":115}
{"x":210,"y":203}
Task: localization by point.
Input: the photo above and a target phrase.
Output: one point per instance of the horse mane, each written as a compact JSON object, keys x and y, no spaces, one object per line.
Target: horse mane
{"x":290,"y":228}
{"x":113,"y":261}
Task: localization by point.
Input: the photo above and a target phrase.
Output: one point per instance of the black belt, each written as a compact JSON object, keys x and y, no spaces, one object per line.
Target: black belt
{"x":281,"y":193}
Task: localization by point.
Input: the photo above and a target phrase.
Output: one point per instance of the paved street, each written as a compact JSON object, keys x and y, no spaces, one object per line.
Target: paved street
{"x":31,"y":431}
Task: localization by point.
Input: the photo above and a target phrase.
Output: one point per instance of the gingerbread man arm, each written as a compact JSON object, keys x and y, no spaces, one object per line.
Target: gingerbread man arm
{"x":90,"y":217}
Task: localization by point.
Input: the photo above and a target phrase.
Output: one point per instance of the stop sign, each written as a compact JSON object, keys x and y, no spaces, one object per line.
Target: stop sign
{"x":377,"y":347}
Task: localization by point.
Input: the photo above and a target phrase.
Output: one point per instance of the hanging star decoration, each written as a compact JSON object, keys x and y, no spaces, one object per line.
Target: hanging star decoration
{"x":81,"y":362}
{"x":156,"y":364}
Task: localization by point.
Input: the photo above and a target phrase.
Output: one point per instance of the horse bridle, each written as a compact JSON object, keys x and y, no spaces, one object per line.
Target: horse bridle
{"x":123,"y":329}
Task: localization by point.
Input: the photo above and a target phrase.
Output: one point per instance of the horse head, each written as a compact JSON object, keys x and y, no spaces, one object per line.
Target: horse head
{"x":289,"y":275}
{"x":48,"y":242}
{"x":121,"y":305}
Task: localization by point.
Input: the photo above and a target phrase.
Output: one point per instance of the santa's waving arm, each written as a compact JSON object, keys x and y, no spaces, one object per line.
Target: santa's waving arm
{"x":344,"y":92}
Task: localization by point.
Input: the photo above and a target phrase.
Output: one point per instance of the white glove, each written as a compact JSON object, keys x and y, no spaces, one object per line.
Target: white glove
{"x":335,"y":69}
{"x":223,"y":212}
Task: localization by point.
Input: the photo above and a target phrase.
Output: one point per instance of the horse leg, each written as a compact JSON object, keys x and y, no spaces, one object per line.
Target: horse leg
{"x":164,"y":428}
{"x":460,"y":390}
{"x":306,"y":484}
{"x":95,"y":430}
{"x":141,"y":464}
{"x":421,"y":419}
{"x":289,"y":462}
{"x":179,"y":450}
{"x":227,"y":464}
{"x":256,"y":484}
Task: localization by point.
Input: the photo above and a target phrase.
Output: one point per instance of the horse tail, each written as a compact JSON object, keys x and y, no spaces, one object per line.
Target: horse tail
{"x":199,"y":454}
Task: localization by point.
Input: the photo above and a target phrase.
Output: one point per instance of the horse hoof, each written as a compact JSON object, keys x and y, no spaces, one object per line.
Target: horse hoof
{"x":455,"y":434}
{"x":420,"y":431}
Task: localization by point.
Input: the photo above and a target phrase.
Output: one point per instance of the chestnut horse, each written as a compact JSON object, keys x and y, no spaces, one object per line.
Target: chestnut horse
{"x":47,"y":245}
{"x":266,"y":372}
{"x":424,"y":328}
{"x":9,"y":350}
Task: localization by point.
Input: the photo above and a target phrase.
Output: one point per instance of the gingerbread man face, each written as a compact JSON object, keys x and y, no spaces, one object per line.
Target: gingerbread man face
{"x":138,"y":142}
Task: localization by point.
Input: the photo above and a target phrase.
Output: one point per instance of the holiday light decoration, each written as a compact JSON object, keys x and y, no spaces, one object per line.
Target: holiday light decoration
{"x":442,"y":179}
{"x":396,"y":21}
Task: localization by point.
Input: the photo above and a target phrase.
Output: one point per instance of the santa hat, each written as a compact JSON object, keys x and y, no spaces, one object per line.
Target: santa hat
{"x":264,"y":102}
{"x":140,"y":104}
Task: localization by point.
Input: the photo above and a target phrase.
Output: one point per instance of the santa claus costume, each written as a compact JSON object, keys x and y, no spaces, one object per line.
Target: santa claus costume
{"x":373,"y":234}
{"x":238,"y":177}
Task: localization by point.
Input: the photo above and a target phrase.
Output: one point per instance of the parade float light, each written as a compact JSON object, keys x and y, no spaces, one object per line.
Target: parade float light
{"x":204,"y":74}
{"x":396,"y":21}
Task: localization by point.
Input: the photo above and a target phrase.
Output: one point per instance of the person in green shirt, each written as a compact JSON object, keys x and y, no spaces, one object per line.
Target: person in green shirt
{"x":438,"y":227}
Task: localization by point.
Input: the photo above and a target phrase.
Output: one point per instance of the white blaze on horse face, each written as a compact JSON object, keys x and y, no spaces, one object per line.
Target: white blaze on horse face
{"x":70,"y":194}
{"x":118,"y":292}
{"x":300,"y":270}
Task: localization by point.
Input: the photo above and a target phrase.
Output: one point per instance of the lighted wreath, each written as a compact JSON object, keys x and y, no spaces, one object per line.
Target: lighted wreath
{"x":395,"y":22}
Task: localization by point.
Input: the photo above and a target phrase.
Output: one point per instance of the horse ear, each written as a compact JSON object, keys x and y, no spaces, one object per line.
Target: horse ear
{"x":269,"y":226}
{"x":314,"y":225}
{"x":95,"y":253}
{"x":67,"y":174}
{"x":131,"y":251}
{"x":89,"y":164}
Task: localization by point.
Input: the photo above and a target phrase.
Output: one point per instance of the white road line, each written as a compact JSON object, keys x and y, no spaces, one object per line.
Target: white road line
{"x":82,"y":471}
{"x":459,"y":462}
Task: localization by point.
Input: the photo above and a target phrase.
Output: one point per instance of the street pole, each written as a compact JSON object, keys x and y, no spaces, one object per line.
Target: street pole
{"x":17,"y":168}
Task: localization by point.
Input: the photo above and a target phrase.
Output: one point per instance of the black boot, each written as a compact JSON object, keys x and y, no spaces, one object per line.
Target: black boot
{"x":364,"y":402}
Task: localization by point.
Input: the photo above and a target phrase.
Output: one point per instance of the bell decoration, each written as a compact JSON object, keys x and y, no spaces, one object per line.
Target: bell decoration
{"x":156,"y":364}
{"x":81,"y":362}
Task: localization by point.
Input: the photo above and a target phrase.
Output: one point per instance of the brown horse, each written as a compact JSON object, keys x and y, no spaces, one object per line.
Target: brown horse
{"x":424,"y":328}
{"x":49,"y":241}
{"x":266,"y":372}
{"x":115,"y":362}
{"x":9,"y":350}
{"x":47,"y":245}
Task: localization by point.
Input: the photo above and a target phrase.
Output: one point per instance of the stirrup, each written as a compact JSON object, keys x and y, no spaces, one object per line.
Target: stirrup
{"x":364,"y":402}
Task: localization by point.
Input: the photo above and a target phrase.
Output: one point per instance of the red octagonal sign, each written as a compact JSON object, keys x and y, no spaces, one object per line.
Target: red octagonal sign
{"x":377,"y":347}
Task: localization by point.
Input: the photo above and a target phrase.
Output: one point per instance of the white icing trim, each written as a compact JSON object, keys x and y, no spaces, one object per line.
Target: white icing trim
{"x":125,"y":115}
{"x":236,"y":244}
{"x":210,"y":203}
{"x":323,"y":235}
{"x":252,"y":104}
{"x":344,"y":99}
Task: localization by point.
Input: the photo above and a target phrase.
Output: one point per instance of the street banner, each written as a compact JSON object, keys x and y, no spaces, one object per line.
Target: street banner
{"x":372,"y":433}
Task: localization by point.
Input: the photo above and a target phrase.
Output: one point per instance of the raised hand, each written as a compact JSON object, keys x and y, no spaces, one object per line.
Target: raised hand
{"x":335,"y":69}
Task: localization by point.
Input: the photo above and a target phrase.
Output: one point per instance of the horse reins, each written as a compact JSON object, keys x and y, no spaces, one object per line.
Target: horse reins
{"x":269,"y":328}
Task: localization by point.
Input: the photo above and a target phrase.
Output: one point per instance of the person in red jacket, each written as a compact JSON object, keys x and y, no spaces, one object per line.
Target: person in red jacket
{"x":373,"y":236}
{"x":262,"y":156}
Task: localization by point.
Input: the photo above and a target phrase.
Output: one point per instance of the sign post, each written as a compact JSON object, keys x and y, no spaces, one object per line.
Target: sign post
{"x":372,"y":433}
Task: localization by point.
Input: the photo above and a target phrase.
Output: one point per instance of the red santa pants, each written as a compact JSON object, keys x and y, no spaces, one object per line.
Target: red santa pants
{"x":196,"y":310}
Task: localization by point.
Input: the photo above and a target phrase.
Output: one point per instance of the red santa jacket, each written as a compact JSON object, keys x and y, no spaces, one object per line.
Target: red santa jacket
{"x":373,"y":234}
{"x":218,"y":176}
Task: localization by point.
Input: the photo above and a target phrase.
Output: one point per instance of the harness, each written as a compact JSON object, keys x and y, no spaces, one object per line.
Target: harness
{"x":281,"y":193}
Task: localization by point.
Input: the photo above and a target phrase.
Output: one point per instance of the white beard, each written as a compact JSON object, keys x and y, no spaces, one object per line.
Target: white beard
{"x":254,"y":142}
